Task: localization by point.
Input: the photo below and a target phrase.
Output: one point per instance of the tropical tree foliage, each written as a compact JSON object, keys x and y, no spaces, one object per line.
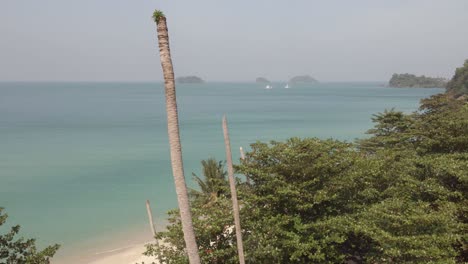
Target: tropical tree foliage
{"x":19,"y":250}
{"x":323,"y":202}
{"x":459,"y":84}
{"x":440,"y":126}
{"x":213,"y":184}
{"x":399,"y":196}
{"x":212,"y":219}
{"x":392,"y":130}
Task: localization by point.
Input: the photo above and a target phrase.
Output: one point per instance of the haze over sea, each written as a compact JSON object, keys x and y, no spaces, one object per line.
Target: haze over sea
{"x":78,"y":160}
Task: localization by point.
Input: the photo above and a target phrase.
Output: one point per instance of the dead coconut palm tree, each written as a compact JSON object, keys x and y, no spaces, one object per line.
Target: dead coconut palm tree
{"x":153,"y":230}
{"x":174,"y":138}
{"x":247,"y":178}
{"x":232,"y":184}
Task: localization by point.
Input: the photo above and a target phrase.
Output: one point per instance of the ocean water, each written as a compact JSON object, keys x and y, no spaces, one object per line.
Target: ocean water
{"x":78,"y":160}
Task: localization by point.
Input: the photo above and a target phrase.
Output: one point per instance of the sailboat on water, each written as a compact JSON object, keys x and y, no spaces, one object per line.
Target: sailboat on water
{"x":287,"y":86}
{"x":268,"y":87}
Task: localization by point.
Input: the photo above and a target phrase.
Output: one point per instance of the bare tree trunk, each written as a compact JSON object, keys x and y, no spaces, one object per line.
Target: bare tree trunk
{"x":243,"y":158}
{"x":232,"y":184}
{"x":153,"y":230}
{"x":150,"y":218}
{"x":242,"y":153}
{"x":174,"y":142}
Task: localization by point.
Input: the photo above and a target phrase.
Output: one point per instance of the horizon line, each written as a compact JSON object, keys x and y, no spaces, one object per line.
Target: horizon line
{"x":162,"y":81}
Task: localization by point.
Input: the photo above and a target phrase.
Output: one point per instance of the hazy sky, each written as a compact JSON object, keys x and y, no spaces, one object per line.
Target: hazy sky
{"x":236,"y":40}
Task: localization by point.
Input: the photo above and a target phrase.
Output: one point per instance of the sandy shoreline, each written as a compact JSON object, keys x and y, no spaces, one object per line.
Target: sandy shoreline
{"x":129,"y":255}
{"x":123,"y":248}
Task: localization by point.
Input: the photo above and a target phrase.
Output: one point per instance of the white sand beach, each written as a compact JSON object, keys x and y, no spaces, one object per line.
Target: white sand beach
{"x":125,"y":248}
{"x":128,"y":255}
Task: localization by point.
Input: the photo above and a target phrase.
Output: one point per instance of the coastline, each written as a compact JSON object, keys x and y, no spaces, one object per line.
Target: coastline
{"x":91,"y":199}
{"x":129,"y":255}
{"x":116,"y":248}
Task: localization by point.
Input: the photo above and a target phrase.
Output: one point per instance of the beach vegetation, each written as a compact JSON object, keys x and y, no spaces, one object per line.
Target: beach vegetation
{"x":399,"y":196}
{"x":212,"y":185}
{"x":21,"y":250}
{"x":458,"y":86}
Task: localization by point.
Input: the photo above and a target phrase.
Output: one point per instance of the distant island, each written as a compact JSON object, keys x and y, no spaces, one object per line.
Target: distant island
{"x":189,"y":79}
{"x":302,"y":79}
{"x":262,"y":80}
{"x":411,"y":80}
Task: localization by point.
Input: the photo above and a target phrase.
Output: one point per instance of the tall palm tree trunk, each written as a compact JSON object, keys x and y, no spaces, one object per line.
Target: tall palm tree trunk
{"x":232,"y":184}
{"x":174,"y":138}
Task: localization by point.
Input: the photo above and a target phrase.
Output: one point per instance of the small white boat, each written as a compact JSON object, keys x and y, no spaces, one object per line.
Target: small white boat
{"x":287,"y":86}
{"x":268,"y":87}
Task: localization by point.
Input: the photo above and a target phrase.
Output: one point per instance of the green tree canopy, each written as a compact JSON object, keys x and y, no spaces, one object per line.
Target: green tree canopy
{"x":19,"y":250}
{"x":399,"y":196}
{"x":213,"y":184}
{"x":459,"y":84}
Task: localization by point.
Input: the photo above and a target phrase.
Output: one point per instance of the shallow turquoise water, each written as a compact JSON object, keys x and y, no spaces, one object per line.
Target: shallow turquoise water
{"x":78,"y":160}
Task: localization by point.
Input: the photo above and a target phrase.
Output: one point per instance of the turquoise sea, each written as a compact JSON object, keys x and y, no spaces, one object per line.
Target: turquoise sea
{"x":78,"y":160}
